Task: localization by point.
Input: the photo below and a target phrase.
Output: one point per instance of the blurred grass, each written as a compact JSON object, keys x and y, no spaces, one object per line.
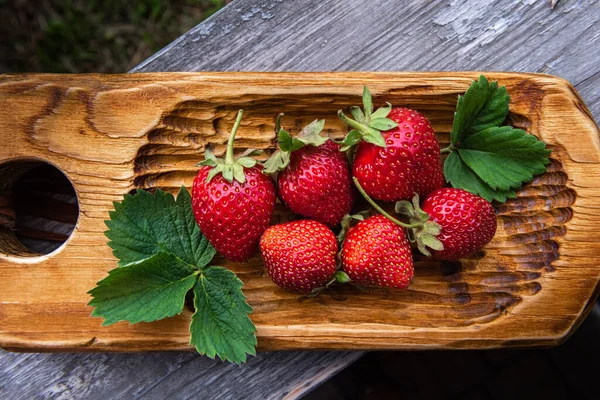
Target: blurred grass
{"x":107,"y":36}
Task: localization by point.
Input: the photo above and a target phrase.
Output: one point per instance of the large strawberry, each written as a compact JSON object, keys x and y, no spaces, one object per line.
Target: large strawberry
{"x":467,"y":221}
{"x":376,"y":252}
{"x":397,"y":155}
{"x":314,"y":178}
{"x":300,"y":255}
{"x":233,"y":201}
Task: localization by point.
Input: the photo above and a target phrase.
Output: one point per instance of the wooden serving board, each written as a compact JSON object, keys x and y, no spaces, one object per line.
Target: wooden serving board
{"x":110,"y":134}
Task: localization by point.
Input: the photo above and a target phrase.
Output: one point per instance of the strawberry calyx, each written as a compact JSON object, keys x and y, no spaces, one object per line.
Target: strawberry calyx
{"x":230,"y":167}
{"x":367,"y":124}
{"x":425,"y":233}
{"x":419,"y":230}
{"x":347,"y":221}
{"x":309,"y":135}
{"x":339,"y":276}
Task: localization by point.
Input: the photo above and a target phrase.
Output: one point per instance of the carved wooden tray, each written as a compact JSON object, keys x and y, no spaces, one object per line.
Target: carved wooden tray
{"x":109,"y":134}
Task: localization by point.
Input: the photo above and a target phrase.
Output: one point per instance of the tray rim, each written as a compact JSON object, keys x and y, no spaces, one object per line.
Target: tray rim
{"x":33,"y":345}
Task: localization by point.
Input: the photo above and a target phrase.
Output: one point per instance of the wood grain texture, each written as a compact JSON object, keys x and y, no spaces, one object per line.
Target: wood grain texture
{"x":113,"y":134}
{"x":456,"y":35}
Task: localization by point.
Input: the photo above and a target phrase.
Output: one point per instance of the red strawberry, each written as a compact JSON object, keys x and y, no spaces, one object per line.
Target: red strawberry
{"x":299,"y":255}
{"x":452,"y":222}
{"x":397,"y":155}
{"x":467,"y":221}
{"x":315,"y":179}
{"x":233,"y":202}
{"x":376,"y":252}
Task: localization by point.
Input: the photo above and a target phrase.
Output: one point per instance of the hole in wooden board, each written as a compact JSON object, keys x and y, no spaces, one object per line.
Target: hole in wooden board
{"x":38,"y":208}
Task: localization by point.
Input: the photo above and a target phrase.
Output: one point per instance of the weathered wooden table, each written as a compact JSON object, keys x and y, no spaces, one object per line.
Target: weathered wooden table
{"x":322,"y":35}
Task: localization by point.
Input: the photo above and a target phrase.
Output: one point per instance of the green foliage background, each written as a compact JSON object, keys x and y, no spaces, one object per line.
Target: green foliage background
{"x":108,"y":36}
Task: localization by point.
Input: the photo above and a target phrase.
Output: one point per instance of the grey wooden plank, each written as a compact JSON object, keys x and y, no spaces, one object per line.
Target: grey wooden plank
{"x":589,"y":89}
{"x":332,"y":35}
{"x":162,"y":375}
{"x":313,"y":35}
{"x":316,"y":35}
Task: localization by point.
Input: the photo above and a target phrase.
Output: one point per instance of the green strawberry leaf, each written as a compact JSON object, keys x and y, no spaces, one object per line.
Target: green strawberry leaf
{"x":162,"y":256}
{"x":143,"y":225}
{"x":221,"y":325}
{"x":461,"y":176}
{"x":146,"y":291}
{"x":504,"y":157}
{"x":507,"y":141}
{"x":485,"y":158}
{"x":484,"y":105}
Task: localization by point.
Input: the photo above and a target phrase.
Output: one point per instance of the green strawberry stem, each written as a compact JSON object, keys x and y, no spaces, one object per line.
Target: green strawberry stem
{"x":382,"y":211}
{"x":352,"y":123}
{"x":230,"y":168}
{"x":278,"y":123}
{"x":448,"y":149}
{"x":229,"y":159}
{"x":421,"y":230}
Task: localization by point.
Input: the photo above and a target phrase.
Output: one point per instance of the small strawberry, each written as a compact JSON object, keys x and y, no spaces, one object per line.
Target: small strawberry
{"x":467,"y":221}
{"x":452,"y":222}
{"x":233,"y":202}
{"x":397,"y":153}
{"x":300,"y":255}
{"x":314,"y":178}
{"x":376,"y":252}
